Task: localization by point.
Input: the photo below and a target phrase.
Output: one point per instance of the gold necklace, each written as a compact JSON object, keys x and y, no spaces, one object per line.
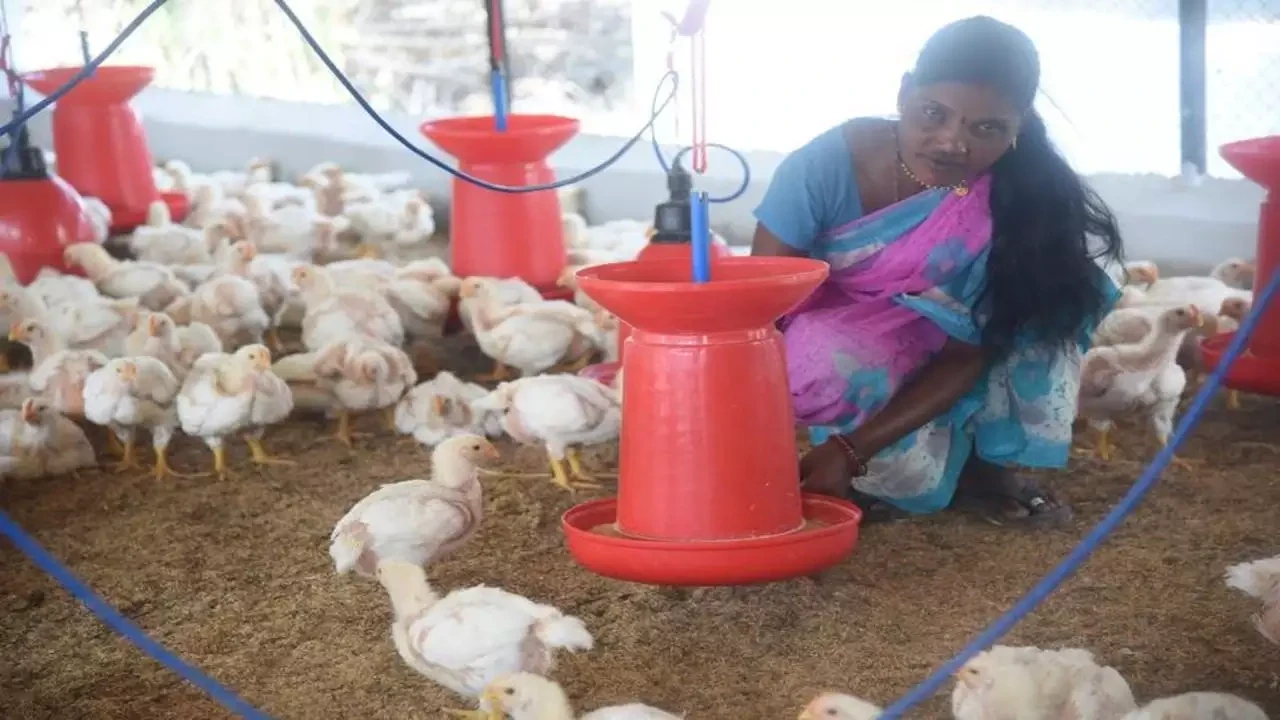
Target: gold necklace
{"x":960,"y":188}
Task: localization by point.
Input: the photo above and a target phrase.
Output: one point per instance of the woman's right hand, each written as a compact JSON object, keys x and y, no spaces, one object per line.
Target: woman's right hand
{"x":825,"y":470}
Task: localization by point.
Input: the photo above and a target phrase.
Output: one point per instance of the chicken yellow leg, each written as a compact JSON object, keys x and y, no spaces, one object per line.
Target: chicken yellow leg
{"x":128,"y":459}
{"x":561,"y":478}
{"x":1233,"y":399}
{"x":500,"y":372}
{"x":220,"y":463}
{"x":575,"y":467}
{"x":274,"y":343}
{"x":344,"y":433}
{"x":389,"y":418}
{"x":162,"y":469}
{"x":1175,"y":460}
{"x":260,"y":456}
{"x":1104,"y":444}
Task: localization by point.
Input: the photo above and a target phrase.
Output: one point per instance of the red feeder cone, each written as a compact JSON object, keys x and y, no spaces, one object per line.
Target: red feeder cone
{"x":500,"y":234}
{"x":102,"y":150}
{"x":40,"y":214}
{"x":708,"y":488}
{"x":1258,"y":369}
{"x":655,"y":251}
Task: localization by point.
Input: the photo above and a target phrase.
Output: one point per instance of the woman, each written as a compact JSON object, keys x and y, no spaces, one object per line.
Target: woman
{"x":945,"y":346}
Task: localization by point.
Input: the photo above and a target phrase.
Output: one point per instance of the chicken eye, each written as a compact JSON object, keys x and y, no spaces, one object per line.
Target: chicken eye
{"x":510,"y":691}
{"x":831,"y":712}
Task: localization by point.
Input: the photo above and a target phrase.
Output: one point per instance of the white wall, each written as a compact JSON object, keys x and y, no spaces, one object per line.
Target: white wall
{"x":1185,"y":228}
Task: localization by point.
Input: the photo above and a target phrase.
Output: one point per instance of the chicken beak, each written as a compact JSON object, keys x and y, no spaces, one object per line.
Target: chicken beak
{"x":15,"y":333}
{"x":28,"y":412}
{"x":466,"y":291}
{"x":494,"y":699}
{"x":262,"y":361}
{"x":1197,"y":317}
{"x":129,"y":372}
{"x":806,"y":714}
{"x":492,"y":453}
{"x":153,"y":326}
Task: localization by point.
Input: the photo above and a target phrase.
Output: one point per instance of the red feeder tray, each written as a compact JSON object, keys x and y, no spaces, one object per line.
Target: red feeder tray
{"x":1258,"y":369}
{"x":708,"y":451}
{"x":102,"y":149}
{"x":38,"y":220}
{"x":499,"y":234}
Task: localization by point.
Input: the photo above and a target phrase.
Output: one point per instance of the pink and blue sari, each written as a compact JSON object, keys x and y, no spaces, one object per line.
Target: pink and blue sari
{"x":904,"y":280}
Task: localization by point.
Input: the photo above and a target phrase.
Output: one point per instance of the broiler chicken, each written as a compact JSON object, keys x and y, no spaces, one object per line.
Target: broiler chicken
{"x":526,"y":696}
{"x":569,"y":280}
{"x":441,"y":408}
{"x":240,"y":260}
{"x":1198,"y":706}
{"x":837,"y":706}
{"x":499,"y":292}
{"x":229,"y":394}
{"x":416,"y":521}
{"x":100,"y":324}
{"x":531,"y":337}
{"x":338,"y":313}
{"x":1137,"y":377}
{"x":135,"y":393}
{"x":154,"y":285}
{"x":361,"y":374}
{"x":161,"y":241}
{"x":43,"y":442}
{"x":57,"y":372}
{"x":560,"y":412}
{"x":1260,"y":580}
{"x":469,"y":637}
{"x":1030,"y":683}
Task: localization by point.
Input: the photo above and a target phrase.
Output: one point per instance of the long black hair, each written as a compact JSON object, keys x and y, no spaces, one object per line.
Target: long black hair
{"x":1049,"y":226}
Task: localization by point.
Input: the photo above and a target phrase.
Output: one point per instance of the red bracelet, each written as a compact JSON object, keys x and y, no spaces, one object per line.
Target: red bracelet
{"x":857,"y":466}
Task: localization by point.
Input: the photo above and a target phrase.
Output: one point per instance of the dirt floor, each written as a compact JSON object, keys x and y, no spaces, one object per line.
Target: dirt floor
{"x":235,"y":577}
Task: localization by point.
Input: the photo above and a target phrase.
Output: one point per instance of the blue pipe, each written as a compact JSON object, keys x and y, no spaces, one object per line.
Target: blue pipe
{"x":700,"y":228}
{"x":498,"y":84}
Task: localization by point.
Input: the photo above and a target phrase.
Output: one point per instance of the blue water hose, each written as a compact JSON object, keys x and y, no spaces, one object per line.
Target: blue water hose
{"x":700,"y":230}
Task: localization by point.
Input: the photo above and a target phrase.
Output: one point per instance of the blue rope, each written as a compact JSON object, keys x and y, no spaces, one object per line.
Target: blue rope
{"x":1105,"y":527}
{"x":122,"y":625}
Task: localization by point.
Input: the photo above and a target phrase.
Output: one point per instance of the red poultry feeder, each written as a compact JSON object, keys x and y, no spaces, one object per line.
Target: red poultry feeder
{"x":1257,"y":370}
{"x":708,"y":485}
{"x":656,"y":251}
{"x":40,"y":214}
{"x":498,"y":234}
{"x":101,"y":147}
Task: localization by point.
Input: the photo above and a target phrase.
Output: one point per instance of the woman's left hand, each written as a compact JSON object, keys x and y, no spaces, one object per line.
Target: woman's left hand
{"x":825,"y":470}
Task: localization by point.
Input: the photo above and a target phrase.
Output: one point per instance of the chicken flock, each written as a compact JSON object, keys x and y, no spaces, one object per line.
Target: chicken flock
{"x":186,"y":336}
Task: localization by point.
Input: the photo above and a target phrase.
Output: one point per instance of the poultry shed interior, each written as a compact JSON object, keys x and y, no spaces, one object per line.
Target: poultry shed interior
{"x":214,"y":375}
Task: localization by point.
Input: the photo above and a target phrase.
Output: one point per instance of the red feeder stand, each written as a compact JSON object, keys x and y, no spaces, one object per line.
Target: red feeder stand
{"x":498,"y":234}
{"x":1257,"y":370}
{"x":708,"y":488}
{"x":102,"y":150}
{"x":40,"y":214}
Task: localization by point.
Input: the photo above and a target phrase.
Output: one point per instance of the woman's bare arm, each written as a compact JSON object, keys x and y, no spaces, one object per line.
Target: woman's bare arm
{"x":943,"y":381}
{"x":765,"y":243}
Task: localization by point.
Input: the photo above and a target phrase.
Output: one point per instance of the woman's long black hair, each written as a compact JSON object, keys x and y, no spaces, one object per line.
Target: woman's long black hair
{"x":1049,"y":227}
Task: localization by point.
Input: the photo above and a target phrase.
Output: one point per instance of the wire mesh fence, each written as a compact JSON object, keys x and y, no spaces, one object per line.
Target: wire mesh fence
{"x":1243,"y":68}
{"x":424,"y":57}
{"x":1110,"y":67}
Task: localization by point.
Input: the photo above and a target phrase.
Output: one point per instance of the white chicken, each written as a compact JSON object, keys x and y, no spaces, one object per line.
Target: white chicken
{"x":335,"y":313}
{"x":159,"y":240}
{"x":1138,"y":377}
{"x":43,"y":442}
{"x":1030,"y":683}
{"x":1198,"y":706}
{"x":129,"y":394}
{"x":499,"y":292}
{"x":837,"y":706}
{"x":240,"y":259}
{"x":1260,"y":579}
{"x":100,"y":324}
{"x":228,"y":394}
{"x":416,"y":521}
{"x":230,"y":304}
{"x":559,"y":412}
{"x":532,"y":337}
{"x":1206,"y":293}
{"x":526,"y":696}
{"x":57,"y":372}
{"x":154,"y":285}
{"x":441,"y":408}
{"x":469,"y":637}
{"x":361,"y":374}
{"x":52,"y":288}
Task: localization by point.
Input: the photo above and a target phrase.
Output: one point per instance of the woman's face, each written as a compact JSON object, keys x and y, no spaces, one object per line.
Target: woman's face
{"x":950,"y":132}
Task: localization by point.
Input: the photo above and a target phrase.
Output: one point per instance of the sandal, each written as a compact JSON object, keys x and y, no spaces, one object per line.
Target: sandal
{"x":1028,"y":506}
